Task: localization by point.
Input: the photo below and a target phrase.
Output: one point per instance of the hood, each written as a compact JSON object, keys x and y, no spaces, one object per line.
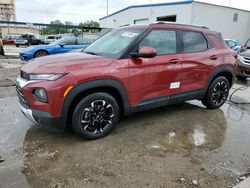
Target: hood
{"x":64,"y":63}
{"x":245,"y":53}
{"x":34,"y":48}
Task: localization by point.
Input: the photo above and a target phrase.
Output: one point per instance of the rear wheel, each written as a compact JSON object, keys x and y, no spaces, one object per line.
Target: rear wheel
{"x":217,"y":93}
{"x":95,"y":116}
{"x":17,"y":45}
{"x":41,"y":53}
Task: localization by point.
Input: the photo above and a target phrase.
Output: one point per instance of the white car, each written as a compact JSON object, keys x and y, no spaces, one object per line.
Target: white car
{"x":51,"y":38}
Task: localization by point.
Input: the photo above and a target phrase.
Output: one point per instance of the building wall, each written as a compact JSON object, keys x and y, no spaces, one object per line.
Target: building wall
{"x":7,"y":10}
{"x":18,"y":30}
{"x":221,"y":19}
{"x":128,"y":16}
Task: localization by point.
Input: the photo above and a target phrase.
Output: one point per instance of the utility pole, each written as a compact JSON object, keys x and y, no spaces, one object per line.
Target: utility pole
{"x":107,"y":7}
{"x":150,"y":12}
{"x":230,"y":3}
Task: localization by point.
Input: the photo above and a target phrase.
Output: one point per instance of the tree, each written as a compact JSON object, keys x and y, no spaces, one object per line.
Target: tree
{"x":59,"y":29}
{"x":89,"y":23}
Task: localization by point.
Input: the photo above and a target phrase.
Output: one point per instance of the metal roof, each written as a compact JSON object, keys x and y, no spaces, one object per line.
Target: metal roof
{"x":168,"y":4}
{"x":150,"y":5}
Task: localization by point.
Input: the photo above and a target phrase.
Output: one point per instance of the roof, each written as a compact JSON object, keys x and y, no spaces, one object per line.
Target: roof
{"x":168,"y":4}
{"x":150,"y":5}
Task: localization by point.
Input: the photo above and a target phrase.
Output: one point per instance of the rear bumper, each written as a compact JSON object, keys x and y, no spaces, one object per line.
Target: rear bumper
{"x":43,"y":118}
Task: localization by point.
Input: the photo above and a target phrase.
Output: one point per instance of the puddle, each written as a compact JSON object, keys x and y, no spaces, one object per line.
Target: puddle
{"x":154,"y":149}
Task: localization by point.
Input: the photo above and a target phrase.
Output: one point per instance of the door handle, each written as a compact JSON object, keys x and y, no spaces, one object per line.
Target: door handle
{"x":213,"y":57}
{"x":174,"y":61}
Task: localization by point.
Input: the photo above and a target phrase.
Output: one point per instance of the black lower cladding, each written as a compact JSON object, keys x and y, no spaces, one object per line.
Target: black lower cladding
{"x":44,"y":118}
{"x":168,"y":100}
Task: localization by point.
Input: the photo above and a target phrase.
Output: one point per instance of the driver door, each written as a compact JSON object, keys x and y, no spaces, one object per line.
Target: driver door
{"x":66,"y":45}
{"x":159,"y":76}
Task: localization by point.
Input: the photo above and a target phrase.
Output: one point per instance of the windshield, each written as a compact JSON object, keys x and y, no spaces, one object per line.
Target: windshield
{"x":114,"y":43}
{"x":57,"y":42}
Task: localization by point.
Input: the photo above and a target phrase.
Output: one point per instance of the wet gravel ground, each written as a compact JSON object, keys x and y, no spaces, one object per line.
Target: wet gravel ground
{"x":182,"y":145}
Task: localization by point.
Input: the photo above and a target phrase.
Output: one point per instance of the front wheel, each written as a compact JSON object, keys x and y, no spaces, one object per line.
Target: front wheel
{"x":95,"y":116}
{"x":217,"y":93}
{"x":41,"y":53}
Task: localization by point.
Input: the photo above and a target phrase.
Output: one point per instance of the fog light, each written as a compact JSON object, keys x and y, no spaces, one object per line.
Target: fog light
{"x":40,"y":94}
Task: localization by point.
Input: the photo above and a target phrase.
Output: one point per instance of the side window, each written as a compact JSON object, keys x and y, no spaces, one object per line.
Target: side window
{"x":194,"y":41}
{"x":164,"y":41}
{"x":82,"y":41}
{"x":70,"y":42}
{"x":231,"y":44}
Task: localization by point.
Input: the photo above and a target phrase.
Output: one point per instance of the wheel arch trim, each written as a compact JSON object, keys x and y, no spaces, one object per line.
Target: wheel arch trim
{"x":95,"y":84}
{"x":220,"y":70}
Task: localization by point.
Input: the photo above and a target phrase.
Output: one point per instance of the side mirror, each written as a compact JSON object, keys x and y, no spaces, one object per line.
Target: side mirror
{"x":62,"y":45}
{"x":145,"y":52}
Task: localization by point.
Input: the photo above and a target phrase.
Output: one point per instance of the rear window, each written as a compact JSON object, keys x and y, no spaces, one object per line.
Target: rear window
{"x":194,"y":41}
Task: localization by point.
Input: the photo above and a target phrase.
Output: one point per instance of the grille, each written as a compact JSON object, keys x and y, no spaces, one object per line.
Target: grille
{"x":21,"y":97}
{"x":247,"y":58}
{"x":247,"y":73}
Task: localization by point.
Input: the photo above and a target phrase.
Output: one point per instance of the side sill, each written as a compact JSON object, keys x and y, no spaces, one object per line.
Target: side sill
{"x":168,"y":100}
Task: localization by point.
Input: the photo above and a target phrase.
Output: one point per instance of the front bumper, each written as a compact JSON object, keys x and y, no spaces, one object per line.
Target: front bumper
{"x":37,"y":116}
{"x":25,"y":57}
{"x":27,"y":113}
{"x":43,"y":118}
{"x":243,"y":67}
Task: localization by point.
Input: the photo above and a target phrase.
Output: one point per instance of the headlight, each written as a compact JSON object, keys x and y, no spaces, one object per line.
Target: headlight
{"x":40,"y":94}
{"x":45,"y":76}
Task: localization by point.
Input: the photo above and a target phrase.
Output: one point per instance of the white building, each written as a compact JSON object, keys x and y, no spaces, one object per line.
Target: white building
{"x":231,"y":22}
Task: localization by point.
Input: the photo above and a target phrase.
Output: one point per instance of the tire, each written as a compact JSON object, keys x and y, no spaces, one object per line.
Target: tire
{"x":17,"y":45}
{"x":241,"y":77}
{"x":217,"y":93}
{"x":41,"y":53}
{"x":95,"y":116}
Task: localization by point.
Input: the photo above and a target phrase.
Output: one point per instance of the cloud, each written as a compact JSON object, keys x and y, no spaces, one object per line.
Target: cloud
{"x":78,"y":11}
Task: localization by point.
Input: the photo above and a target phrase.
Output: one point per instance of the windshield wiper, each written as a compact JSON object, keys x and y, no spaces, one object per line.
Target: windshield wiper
{"x":93,"y":53}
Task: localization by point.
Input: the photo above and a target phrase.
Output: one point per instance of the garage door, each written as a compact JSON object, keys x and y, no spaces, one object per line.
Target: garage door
{"x":141,"y":22}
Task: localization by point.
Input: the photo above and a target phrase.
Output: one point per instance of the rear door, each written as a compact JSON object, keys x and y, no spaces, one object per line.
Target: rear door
{"x":159,"y":76}
{"x":198,"y":60}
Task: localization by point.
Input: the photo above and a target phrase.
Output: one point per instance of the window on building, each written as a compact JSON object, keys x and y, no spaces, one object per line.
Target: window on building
{"x":235,"y":19}
{"x":141,"y":21}
{"x":194,"y":41}
{"x":164,"y":41}
{"x":171,"y":18}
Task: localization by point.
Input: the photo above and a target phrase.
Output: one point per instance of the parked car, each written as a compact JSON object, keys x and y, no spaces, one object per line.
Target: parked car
{"x":246,"y":45}
{"x":243,"y":68}
{"x":27,"y":40}
{"x":52,"y":38}
{"x":59,"y":46}
{"x":1,"y":46}
{"x":8,"y":40}
{"x":127,"y":70}
{"x":234,"y":45}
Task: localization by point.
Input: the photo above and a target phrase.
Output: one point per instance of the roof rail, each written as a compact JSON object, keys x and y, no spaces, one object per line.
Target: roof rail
{"x":175,"y":23}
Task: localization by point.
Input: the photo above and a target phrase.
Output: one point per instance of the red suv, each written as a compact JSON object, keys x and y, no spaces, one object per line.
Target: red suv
{"x":127,"y":70}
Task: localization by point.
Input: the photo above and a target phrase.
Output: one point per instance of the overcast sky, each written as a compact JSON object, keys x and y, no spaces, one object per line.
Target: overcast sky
{"x":44,"y":11}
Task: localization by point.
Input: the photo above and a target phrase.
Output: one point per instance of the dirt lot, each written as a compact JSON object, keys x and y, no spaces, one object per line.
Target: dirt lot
{"x":177,"y":146}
